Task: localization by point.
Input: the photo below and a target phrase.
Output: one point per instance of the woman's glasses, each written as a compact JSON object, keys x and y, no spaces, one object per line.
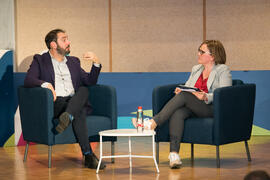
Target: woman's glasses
{"x":201,"y":52}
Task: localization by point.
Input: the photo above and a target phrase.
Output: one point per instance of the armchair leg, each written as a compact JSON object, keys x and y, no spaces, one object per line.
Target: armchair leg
{"x":49,"y":156}
{"x":248,"y":152}
{"x":112,"y":151}
{"x":26,"y":152}
{"x":157,"y":152}
{"x":192,"y":152}
{"x":218,"y":158}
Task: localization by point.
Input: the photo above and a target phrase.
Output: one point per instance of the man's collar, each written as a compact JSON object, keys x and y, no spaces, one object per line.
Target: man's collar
{"x":64,"y":60}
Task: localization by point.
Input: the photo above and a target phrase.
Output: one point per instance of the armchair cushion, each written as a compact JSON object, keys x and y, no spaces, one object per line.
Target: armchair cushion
{"x":198,"y":131}
{"x":104,"y":102}
{"x":98,"y":123}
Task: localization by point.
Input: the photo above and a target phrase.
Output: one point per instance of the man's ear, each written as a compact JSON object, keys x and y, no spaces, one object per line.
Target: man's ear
{"x":53,"y":45}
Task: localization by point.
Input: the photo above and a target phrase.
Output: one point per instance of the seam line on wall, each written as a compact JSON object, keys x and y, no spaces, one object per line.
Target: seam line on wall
{"x":204,"y":20}
{"x":110,"y":35}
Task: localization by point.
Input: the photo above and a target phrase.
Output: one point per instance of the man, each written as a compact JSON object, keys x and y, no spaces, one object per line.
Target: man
{"x":66,"y":79}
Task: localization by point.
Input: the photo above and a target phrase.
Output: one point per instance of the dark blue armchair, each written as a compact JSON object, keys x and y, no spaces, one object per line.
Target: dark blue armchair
{"x":232,"y":121}
{"x":36,"y":111}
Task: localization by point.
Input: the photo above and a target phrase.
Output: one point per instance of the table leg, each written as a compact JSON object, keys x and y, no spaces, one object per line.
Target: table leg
{"x":100,"y":153}
{"x":154,"y":152}
{"x":129,"y":152}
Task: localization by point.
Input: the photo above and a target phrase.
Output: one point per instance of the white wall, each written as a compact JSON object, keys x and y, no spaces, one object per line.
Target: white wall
{"x":146,"y":35}
{"x":7,"y":37}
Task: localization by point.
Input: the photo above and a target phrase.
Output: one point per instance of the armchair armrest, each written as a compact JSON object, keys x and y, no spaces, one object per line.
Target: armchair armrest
{"x":233,"y":113}
{"x":161,"y":95}
{"x":36,"y":111}
{"x":104,"y":102}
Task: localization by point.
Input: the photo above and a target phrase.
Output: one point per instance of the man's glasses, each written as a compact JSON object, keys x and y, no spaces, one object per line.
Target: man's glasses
{"x":201,"y":52}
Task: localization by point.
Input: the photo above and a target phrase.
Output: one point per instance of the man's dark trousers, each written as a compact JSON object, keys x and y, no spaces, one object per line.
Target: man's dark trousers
{"x":76,"y":106}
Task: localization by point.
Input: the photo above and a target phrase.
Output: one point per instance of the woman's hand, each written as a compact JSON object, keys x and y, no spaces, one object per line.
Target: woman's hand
{"x":177,"y":90}
{"x":200,"y":95}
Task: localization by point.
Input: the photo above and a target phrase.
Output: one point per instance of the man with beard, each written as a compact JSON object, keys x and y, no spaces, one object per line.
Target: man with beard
{"x":66,"y":79}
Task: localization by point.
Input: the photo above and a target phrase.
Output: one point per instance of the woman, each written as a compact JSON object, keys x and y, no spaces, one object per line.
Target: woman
{"x":209,"y":74}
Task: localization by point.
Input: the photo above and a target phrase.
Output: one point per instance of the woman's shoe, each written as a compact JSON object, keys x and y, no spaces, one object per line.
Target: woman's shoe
{"x":150,"y":124}
{"x":147,"y":124}
{"x":175,"y":161}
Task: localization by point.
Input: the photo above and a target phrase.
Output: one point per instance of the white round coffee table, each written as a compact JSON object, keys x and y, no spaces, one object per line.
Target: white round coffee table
{"x":128,"y":133}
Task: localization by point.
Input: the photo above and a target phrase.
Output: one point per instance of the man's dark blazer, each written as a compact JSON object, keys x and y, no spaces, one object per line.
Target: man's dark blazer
{"x":41,"y":70}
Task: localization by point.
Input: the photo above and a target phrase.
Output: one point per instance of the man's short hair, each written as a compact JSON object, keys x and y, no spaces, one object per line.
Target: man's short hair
{"x":52,"y":36}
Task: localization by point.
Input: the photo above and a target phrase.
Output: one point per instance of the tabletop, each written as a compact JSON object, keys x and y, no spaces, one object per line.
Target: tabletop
{"x":126,"y":132}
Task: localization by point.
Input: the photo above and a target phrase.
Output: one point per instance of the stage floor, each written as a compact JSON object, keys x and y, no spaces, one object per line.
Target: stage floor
{"x":67,"y":162}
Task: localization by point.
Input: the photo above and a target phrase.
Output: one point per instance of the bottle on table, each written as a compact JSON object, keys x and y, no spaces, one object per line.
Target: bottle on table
{"x":140,"y":122}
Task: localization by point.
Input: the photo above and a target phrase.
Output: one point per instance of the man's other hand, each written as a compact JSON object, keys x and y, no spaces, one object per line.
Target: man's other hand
{"x":91,"y":56}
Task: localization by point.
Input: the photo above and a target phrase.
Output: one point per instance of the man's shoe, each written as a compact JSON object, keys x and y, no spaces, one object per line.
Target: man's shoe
{"x":91,"y":161}
{"x":175,"y":161}
{"x":64,"y":120}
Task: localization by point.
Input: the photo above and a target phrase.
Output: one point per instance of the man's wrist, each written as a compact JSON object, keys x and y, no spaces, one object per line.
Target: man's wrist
{"x":96,"y":64}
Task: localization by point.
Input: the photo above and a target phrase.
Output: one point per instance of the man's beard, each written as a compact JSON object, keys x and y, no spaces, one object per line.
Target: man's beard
{"x":62,"y":51}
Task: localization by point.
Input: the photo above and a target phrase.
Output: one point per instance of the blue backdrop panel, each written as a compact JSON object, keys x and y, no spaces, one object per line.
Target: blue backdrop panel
{"x":6,"y":97}
{"x":135,"y":89}
{"x":262,"y":105}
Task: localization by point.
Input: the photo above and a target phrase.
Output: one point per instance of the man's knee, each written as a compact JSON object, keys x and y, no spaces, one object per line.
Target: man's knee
{"x":83,"y":90}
